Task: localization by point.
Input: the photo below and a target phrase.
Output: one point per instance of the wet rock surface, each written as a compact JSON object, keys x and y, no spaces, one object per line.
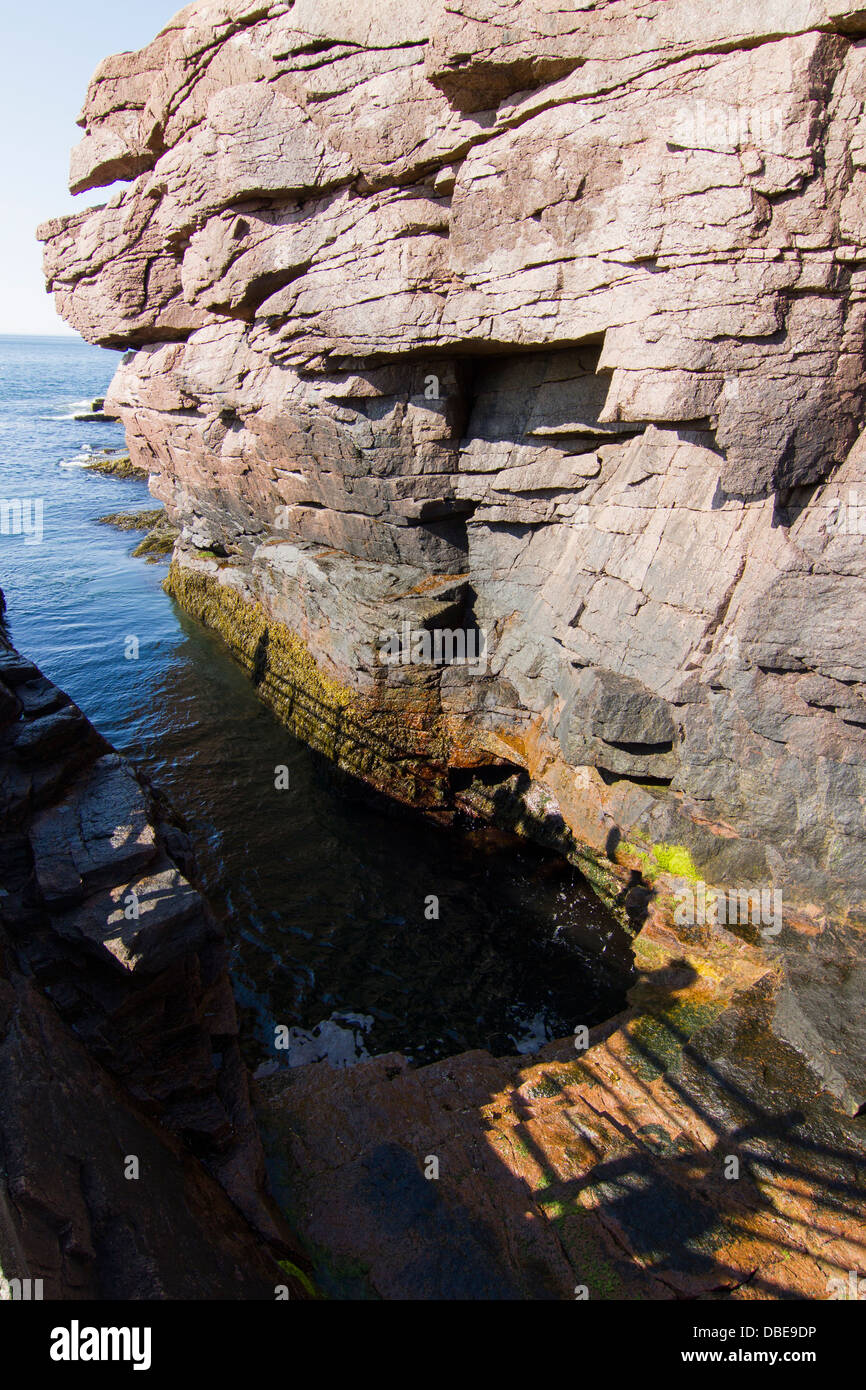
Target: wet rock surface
{"x":118,"y":1034}
{"x":686,"y":1153}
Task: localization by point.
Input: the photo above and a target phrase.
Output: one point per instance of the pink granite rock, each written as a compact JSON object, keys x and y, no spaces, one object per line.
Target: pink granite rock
{"x":559,"y":303}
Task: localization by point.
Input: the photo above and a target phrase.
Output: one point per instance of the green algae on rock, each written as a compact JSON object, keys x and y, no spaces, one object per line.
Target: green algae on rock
{"x":386,"y":747}
{"x":158,"y":543}
{"x":133,"y":521}
{"x":122,"y":468}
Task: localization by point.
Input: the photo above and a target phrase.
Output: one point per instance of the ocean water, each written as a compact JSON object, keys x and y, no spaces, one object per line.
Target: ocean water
{"x":322,"y":893}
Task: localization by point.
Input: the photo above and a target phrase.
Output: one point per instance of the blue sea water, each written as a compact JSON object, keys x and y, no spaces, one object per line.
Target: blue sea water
{"x":322,"y":895}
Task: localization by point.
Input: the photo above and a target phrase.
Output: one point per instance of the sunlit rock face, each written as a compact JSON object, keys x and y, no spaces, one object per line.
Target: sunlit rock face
{"x":544,"y":319}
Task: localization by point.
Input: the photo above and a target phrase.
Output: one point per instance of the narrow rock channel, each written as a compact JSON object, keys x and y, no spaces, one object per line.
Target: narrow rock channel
{"x":497,"y":367}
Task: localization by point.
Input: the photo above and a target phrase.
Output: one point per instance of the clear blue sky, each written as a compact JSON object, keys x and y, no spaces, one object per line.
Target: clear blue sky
{"x":50,"y":51}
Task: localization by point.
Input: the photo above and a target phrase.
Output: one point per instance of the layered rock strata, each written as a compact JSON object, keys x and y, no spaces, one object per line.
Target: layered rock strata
{"x":538,"y":321}
{"x":130,"y":1162}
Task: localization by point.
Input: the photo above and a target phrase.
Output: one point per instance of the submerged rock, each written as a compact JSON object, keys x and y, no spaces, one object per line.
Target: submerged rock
{"x":686,"y":1152}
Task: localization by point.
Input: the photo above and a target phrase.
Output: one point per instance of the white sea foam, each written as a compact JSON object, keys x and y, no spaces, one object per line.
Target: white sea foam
{"x":532,"y":1033}
{"x":72,"y":410}
{"x":338,"y":1040}
{"x":81,"y":460}
{"x":88,"y":454}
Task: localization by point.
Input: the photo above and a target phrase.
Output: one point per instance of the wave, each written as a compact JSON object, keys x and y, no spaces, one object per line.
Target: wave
{"x":73,"y":410}
{"x":88,"y":454}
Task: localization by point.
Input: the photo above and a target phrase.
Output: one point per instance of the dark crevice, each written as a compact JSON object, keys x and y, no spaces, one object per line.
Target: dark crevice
{"x":640,"y":749}
{"x":640,"y":780}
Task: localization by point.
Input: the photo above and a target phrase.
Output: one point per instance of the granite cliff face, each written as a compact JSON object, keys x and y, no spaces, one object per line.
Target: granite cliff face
{"x":543,"y":320}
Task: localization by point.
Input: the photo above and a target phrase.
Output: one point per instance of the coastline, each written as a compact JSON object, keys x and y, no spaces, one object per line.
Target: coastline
{"x":700,"y":1010}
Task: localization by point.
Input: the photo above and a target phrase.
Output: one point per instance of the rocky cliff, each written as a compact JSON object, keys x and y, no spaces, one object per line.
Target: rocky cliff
{"x":130,"y":1165}
{"x":536,"y":320}
{"x":541,"y":325}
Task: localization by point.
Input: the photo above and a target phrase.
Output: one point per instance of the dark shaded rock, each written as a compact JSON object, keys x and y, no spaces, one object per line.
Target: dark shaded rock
{"x":118,"y":1037}
{"x":68,"y":1213}
{"x":617,"y":723}
{"x":100,"y":832}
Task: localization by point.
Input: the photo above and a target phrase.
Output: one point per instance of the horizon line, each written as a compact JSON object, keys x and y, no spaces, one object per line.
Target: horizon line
{"x":70,"y":335}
